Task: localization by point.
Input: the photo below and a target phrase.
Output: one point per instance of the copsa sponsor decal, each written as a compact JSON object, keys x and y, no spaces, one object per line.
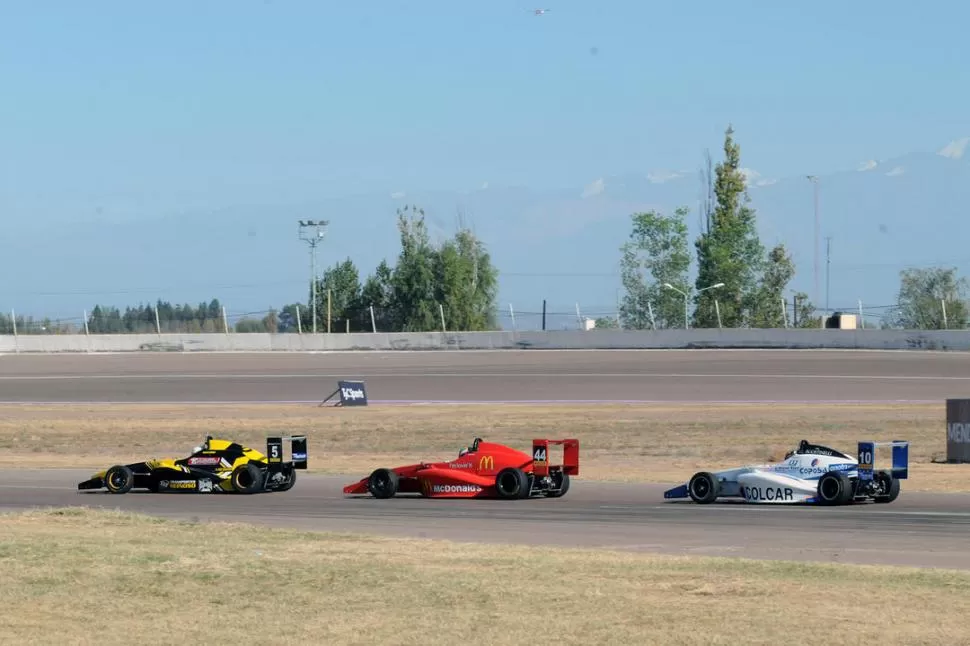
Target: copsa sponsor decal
{"x":299,"y":456}
{"x":205,"y":461}
{"x":455,"y":488}
{"x":177,"y":484}
{"x":841,"y":467}
{"x":767,"y":493}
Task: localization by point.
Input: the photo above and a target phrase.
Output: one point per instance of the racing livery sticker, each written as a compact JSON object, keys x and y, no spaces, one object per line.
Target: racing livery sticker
{"x":177,"y":484}
{"x":767,"y":493}
{"x":205,"y":460}
{"x":455,"y":488}
{"x":539,"y":457}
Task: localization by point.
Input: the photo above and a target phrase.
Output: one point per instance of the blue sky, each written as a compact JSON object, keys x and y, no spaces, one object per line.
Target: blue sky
{"x":133,"y":109}
{"x":127,"y":111}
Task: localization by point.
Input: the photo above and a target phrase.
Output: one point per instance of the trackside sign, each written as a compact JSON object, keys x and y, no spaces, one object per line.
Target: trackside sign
{"x":958,"y":430}
{"x":352,"y":393}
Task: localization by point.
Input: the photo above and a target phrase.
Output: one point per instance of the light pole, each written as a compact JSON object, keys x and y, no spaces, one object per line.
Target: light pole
{"x":312,"y":232}
{"x":814,"y":180}
{"x":684,"y":294}
{"x":828,"y":265}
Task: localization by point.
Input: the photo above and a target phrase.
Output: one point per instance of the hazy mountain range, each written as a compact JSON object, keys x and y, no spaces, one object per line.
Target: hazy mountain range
{"x":559,"y":245}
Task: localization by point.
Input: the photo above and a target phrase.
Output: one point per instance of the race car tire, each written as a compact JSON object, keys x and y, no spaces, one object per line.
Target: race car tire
{"x":512,"y":483}
{"x":119,"y":479}
{"x":834,"y":488}
{"x":703,"y":488}
{"x":891,"y":484}
{"x":382,"y":483}
{"x":247,"y":478}
{"x":560,"y":480}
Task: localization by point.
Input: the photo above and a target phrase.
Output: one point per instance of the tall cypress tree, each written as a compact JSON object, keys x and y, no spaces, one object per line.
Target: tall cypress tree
{"x":728,"y":249}
{"x":413,"y":279}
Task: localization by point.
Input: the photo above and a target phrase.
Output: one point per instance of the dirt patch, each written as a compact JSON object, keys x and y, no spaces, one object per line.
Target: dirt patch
{"x":108,"y":576}
{"x":642,"y":443}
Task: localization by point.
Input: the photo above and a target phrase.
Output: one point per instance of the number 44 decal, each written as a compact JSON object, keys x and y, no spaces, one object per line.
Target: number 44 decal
{"x":539,"y":455}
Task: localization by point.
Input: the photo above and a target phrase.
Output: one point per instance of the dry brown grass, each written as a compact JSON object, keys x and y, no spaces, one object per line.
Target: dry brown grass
{"x":618,"y":442}
{"x":88,"y":577}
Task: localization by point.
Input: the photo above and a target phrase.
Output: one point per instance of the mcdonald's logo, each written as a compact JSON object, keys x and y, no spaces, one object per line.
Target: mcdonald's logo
{"x":487,"y":462}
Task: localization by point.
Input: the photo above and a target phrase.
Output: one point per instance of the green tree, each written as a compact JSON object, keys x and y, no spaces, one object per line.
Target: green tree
{"x":413,"y":300}
{"x":248,"y":325}
{"x":767,"y":305}
{"x":271,"y":322}
{"x":803,"y":312}
{"x":466,"y":283}
{"x":922,"y":295}
{"x":342,"y":283}
{"x":658,"y":244}
{"x":605,"y":323}
{"x":294,"y":317}
{"x":378,"y":293}
{"x":728,"y":249}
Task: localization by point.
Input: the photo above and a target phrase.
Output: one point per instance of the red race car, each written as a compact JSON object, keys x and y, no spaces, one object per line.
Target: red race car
{"x":483,"y":470}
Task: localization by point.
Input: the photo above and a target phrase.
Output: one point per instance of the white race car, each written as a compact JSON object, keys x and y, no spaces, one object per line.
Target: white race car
{"x":810,"y":474}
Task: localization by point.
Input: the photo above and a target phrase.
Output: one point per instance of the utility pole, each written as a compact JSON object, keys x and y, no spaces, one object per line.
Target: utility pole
{"x":814,"y":180}
{"x":312,"y":232}
{"x":828,"y":264}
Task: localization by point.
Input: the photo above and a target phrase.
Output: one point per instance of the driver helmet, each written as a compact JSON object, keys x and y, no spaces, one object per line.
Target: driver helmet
{"x":463,"y":451}
{"x":197,"y":449}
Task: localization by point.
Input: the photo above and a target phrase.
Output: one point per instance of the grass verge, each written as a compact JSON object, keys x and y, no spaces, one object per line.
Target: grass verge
{"x":654,"y":443}
{"x":107,"y":576}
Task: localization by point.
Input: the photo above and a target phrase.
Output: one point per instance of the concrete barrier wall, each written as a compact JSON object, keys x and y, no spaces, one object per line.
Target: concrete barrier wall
{"x":550,"y":340}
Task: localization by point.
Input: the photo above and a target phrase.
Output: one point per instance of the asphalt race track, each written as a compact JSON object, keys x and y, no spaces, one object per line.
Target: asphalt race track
{"x":918,"y":529}
{"x":502,"y":376}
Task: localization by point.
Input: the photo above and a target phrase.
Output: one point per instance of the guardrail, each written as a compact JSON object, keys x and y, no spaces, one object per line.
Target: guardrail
{"x":958,"y":340}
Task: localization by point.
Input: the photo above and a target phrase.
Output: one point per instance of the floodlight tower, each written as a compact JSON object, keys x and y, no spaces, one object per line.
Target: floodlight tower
{"x":312,"y":232}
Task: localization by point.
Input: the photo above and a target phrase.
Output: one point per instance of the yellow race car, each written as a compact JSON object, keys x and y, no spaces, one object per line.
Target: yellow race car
{"x":217,"y":466}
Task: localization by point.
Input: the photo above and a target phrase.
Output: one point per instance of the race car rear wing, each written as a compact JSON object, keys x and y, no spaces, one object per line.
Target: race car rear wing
{"x":541,"y":462}
{"x":867,"y":459}
{"x":298,"y":449}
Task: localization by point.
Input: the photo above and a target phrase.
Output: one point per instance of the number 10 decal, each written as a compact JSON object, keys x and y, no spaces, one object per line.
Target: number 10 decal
{"x":866,"y":455}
